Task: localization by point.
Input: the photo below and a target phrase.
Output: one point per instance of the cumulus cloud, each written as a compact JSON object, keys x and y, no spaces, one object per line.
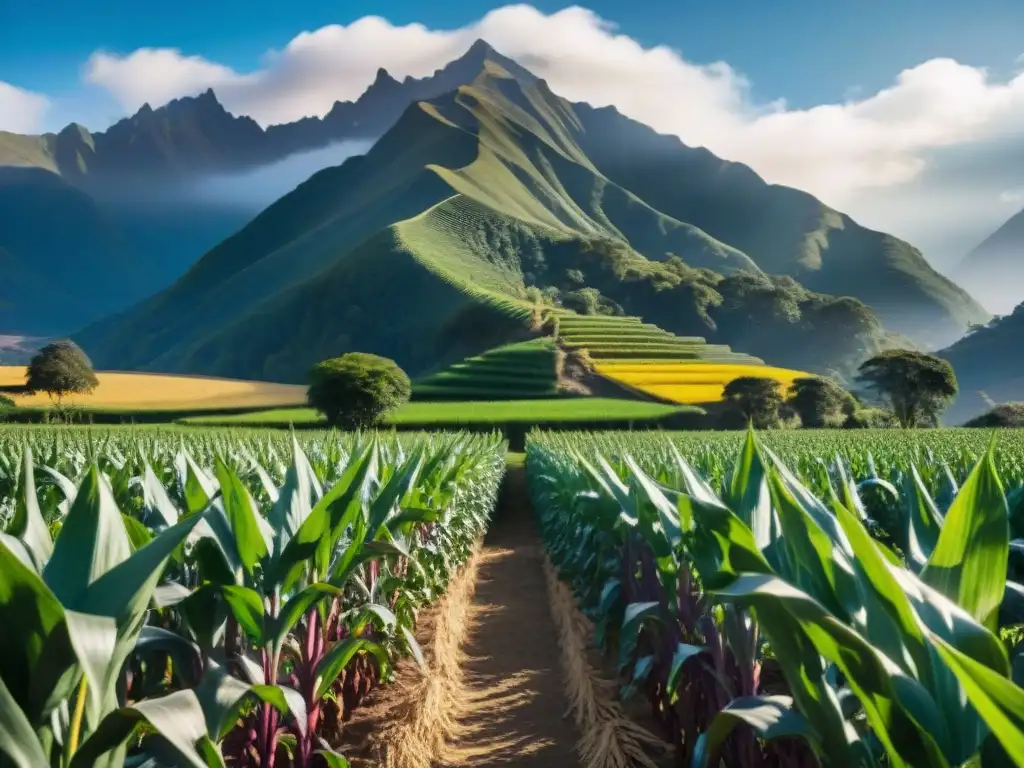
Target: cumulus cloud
{"x":880,"y":156}
{"x":21,"y":111}
{"x":157,"y":75}
{"x":836,"y":151}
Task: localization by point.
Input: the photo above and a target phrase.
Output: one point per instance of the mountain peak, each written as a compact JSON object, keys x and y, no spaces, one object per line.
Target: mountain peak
{"x":383,"y":78}
{"x":481,"y":47}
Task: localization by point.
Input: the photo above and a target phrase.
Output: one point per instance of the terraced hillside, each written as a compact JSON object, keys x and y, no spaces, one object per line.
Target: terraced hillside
{"x":522,"y":370}
{"x":476,"y":213}
{"x":644,"y":358}
{"x":609,"y":339}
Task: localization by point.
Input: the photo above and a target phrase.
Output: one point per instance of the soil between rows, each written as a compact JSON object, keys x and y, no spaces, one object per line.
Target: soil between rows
{"x":515,"y":680}
{"x":516,"y":708}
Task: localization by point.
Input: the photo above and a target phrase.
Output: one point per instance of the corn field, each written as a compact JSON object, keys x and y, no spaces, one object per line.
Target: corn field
{"x":812,"y":598}
{"x":213,"y":598}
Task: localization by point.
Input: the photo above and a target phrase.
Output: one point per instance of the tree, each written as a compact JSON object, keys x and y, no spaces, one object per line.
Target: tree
{"x":917,"y":386}
{"x":60,"y":369}
{"x":819,"y":401}
{"x":1003,"y":415}
{"x":758,"y":399}
{"x":357,"y":389}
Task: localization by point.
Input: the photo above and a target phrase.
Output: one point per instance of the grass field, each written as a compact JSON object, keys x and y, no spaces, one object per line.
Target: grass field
{"x":688,"y":383}
{"x":569,"y":410}
{"x":142,"y":391}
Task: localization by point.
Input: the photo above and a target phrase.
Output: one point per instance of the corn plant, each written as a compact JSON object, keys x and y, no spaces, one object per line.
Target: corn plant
{"x":766,"y":624}
{"x":205,"y":600}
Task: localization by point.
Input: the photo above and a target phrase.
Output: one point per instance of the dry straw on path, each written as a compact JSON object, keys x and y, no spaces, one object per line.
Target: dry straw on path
{"x":610,"y":739}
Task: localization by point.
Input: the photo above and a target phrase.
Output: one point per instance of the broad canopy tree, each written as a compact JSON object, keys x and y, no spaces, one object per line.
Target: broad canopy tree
{"x":757,"y":398}
{"x":917,"y":386}
{"x":357,"y":389}
{"x":60,"y":369}
{"x":820,"y":401}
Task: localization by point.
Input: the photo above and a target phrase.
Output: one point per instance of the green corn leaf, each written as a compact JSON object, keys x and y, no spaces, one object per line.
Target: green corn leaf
{"x":138,"y":534}
{"x":415,"y":650}
{"x":155,"y":499}
{"x":969,"y":562}
{"x":205,"y":615}
{"x":723,"y":545}
{"x":127,"y":588}
{"x":323,"y":526}
{"x":924,"y":521}
{"x":633,"y":619}
{"x":770,"y":717}
{"x":94,"y":639}
{"x":28,"y":524}
{"x":890,"y":622}
{"x":998,"y":701}
{"x":748,"y":494}
{"x":668,"y":523}
{"x":18,"y":741}
{"x":297,"y":606}
{"x":295,"y":499}
{"x":333,"y":759}
{"x":242,"y":517}
{"x":902,"y":714}
{"x":93,"y":540}
{"x":67,"y":488}
{"x":335,"y":660}
{"x":200,"y":489}
{"x":373,"y":613}
{"x":247,"y":607}
{"x":35,"y":649}
{"x":397,"y":486}
{"x":285,"y":700}
{"x":684,"y":652}
{"x":177,"y":717}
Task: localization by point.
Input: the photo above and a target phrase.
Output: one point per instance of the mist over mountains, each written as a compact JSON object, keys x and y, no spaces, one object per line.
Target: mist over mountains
{"x":524,"y":177}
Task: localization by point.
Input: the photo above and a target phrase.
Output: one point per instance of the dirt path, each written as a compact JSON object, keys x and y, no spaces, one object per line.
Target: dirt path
{"x":513,"y":674}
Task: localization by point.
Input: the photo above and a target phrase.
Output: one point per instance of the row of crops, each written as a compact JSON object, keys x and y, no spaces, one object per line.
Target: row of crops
{"x":827,"y":599}
{"x":511,"y":372}
{"x":647,"y":359}
{"x":213,"y":598}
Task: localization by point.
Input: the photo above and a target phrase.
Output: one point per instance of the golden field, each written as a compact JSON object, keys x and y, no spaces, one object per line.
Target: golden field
{"x":690,"y":383}
{"x":146,"y":391}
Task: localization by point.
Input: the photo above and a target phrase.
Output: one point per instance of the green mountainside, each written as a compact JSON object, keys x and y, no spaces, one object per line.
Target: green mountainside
{"x":63,"y":262}
{"x":783,"y":230}
{"x":994,"y":270}
{"x":478,"y":212}
{"x":989,"y":367}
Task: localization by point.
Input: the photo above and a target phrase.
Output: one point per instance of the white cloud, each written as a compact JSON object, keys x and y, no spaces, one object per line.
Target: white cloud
{"x":854,"y":154}
{"x":21,"y":111}
{"x":836,"y":151}
{"x":157,"y":75}
{"x":1012,"y":196}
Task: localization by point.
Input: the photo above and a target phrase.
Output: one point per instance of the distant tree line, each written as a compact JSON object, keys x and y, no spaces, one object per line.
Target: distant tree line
{"x":912,"y":387}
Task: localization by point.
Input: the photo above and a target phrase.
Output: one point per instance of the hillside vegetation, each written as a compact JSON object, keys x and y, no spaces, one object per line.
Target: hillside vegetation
{"x":482,"y":209}
{"x":989,"y":367}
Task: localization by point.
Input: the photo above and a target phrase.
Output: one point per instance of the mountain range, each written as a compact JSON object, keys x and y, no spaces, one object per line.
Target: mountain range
{"x":484,"y":196}
{"x":995,"y":269}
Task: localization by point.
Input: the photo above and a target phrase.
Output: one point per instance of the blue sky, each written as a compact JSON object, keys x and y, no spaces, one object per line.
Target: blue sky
{"x":907,"y":114}
{"x":807,"y":52}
